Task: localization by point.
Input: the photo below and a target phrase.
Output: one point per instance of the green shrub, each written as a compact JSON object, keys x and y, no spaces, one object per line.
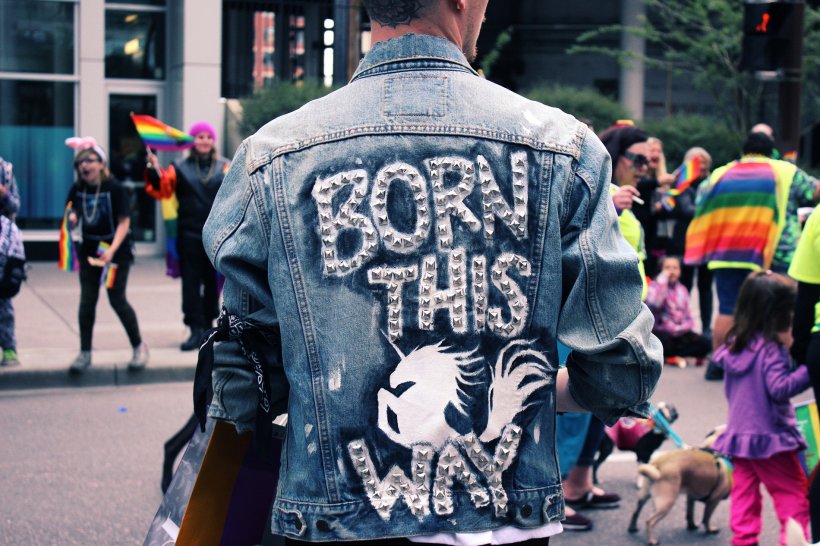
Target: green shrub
{"x":681,"y":132}
{"x":582,"y":103}
{"x":272,"y":102}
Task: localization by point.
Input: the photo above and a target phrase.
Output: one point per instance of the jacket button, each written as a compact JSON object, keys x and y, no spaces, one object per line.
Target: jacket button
{"x":323,"y":526}
{"x":526,"y":510}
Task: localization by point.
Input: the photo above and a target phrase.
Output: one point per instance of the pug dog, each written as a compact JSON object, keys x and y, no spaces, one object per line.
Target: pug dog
{"x":699,"y":473}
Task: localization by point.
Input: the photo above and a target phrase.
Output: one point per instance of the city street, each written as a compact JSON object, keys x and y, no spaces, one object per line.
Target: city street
{"x":82,"y":466}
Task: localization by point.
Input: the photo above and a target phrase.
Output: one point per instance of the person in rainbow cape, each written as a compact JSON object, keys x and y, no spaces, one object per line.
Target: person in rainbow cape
{"x":99,"y":205}
{"x":739,"y":220}
{"x":191,"y":181}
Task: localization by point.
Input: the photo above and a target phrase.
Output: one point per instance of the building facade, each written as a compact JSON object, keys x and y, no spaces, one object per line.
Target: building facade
{"x":80,"y":67}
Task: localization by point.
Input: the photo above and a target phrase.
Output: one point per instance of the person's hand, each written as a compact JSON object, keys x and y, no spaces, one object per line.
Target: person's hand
{"x":666,"y":180}
{"x":72,"y":219}
{"x":108,"y":255}
{"x":152,"y":159}
{"x":623,"y":197}
{"x":662,"y":278}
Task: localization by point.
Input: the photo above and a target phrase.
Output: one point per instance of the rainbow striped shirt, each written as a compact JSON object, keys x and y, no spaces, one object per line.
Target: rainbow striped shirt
{"x":741,"y":215}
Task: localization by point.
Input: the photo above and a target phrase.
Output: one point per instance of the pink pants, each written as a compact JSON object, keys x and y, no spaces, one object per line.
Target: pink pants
{"x":786,"y":483}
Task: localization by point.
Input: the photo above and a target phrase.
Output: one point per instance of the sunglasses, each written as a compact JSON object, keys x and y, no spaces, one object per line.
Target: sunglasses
{"x":639,"y":161}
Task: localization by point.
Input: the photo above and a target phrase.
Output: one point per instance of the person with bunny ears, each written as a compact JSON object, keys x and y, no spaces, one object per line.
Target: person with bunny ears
{"x":99,"y":204}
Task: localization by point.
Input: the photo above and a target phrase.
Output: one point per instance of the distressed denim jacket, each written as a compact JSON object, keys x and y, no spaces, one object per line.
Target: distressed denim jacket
{"x":423,"y":238}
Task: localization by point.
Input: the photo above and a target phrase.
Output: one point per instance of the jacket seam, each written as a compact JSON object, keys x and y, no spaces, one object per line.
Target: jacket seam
{"x":229,"y":230}
{"x":500,"y":136}
{"x":601,"y":331}
{"x":307,"y":331}
{"x":545,"y":197}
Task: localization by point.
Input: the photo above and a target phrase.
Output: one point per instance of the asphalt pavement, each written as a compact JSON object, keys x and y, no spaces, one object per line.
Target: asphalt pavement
{"x":48,"y":335}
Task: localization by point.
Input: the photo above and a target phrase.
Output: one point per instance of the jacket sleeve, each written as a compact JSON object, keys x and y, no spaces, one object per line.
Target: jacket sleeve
{"x":781,"y":382}
{"x":615,"y":361}
{"x":236,"y":242}
{"x":161,"y":186}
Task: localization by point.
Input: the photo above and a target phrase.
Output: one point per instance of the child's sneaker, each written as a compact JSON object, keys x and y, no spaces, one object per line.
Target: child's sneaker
{"x":10,"y":358}
{"x":81,"y":363}
{"x":139,"y":359}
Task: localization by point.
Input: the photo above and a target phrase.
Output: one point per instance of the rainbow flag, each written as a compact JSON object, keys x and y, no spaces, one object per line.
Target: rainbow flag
{"x":688,"y":173}
{"x":159,"y":136}
{"x":169,"y":207}
{"x":109,"y":275}
{"x":230,"y":500}
{"x":737,"y":220}
{"x":68,"y":254}
{"x":808,"y":423}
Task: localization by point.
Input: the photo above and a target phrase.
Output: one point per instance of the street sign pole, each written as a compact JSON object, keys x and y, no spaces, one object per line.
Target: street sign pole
{"x":791,"y":87}
{"x":773,"y":51}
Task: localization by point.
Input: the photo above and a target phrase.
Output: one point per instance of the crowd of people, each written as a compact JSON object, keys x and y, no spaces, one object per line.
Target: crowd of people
{"x":738,"y":228}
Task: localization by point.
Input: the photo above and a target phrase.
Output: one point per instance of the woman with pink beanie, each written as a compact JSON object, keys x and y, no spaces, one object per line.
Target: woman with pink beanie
{"x":194,"y":180}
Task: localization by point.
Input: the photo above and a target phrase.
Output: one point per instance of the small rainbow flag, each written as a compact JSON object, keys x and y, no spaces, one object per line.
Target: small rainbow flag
{"x":68,"y":254}
{"x":160,"y":136}
{"x":109,"y":275}
{"x":687,"y":174}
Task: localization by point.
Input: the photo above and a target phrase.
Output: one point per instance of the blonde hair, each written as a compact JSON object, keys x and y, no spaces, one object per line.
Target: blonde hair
{"x":697,"y":151}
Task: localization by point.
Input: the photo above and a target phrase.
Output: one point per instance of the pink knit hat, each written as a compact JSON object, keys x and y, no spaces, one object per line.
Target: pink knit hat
{"x":202,"y":127}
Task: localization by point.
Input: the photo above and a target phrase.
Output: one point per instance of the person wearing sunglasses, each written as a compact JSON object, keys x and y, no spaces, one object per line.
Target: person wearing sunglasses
{"x":629,"y":150}
{"x":751,"y":196}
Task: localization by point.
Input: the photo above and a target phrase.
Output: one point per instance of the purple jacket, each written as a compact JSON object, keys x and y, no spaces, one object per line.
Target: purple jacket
{"x":759,"y":384}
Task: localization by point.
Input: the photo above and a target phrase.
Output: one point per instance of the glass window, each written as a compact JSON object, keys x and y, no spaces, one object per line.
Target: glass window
{"x":37,"y":36}
{"x":140,"y":2}
{"x":35,"y":119}
{"x":134,"y":44}
{"x":127,"y":159}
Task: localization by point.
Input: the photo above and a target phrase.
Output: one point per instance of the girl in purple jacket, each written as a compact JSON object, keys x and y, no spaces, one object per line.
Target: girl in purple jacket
{"x":761,"y":435}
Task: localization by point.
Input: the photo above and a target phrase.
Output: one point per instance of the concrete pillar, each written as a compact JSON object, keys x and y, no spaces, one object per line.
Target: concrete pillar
{"x":201,"y":68}
{"x":633,"y":70}
{"x":92,"y":98}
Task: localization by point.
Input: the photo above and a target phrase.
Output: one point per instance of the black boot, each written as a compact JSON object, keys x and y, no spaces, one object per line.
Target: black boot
{"x":192,"y":343}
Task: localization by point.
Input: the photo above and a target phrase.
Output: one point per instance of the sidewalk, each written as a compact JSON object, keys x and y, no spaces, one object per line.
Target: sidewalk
{"x":48,"y":336}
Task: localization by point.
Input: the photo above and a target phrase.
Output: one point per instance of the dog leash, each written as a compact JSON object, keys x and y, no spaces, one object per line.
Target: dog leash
{"x":661,"y":421}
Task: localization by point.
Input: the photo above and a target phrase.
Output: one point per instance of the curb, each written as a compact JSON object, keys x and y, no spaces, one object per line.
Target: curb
{"x":93,"y":377}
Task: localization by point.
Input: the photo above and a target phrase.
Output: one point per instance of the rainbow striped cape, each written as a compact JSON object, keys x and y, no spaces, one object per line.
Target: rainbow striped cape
{"x":68,"y":260}
{"x":739,"y":219}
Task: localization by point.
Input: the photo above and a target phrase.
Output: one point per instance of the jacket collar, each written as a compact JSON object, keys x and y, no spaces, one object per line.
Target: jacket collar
{"x":412,"y":47}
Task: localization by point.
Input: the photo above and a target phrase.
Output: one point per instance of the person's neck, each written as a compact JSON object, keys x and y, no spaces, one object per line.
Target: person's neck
{"x":93,"y":181}
{"x":381,"y":33}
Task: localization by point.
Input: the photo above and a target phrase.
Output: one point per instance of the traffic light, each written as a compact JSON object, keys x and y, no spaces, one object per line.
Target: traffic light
{"x":772,"y":36}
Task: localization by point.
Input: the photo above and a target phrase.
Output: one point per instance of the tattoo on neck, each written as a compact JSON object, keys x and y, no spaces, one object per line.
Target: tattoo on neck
{"x":392,"y":13}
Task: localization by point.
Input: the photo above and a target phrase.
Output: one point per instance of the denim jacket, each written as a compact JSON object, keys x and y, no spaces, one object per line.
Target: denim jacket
{"x":423,"y":238}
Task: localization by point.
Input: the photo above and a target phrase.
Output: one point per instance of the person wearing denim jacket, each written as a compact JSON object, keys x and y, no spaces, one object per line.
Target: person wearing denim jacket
{"x":422,"y":238}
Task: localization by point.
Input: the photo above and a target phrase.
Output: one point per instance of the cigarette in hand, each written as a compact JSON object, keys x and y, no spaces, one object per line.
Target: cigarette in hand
{"x":638,"y":200}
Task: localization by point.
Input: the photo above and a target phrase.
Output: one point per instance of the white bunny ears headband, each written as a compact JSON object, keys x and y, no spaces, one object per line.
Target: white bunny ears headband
{"x":85,"y":143}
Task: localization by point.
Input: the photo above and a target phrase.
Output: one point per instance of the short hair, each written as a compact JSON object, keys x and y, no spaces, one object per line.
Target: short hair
{"x":697,"y":151}
{"x":392,"y":13}
{"x":758,"y":143}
